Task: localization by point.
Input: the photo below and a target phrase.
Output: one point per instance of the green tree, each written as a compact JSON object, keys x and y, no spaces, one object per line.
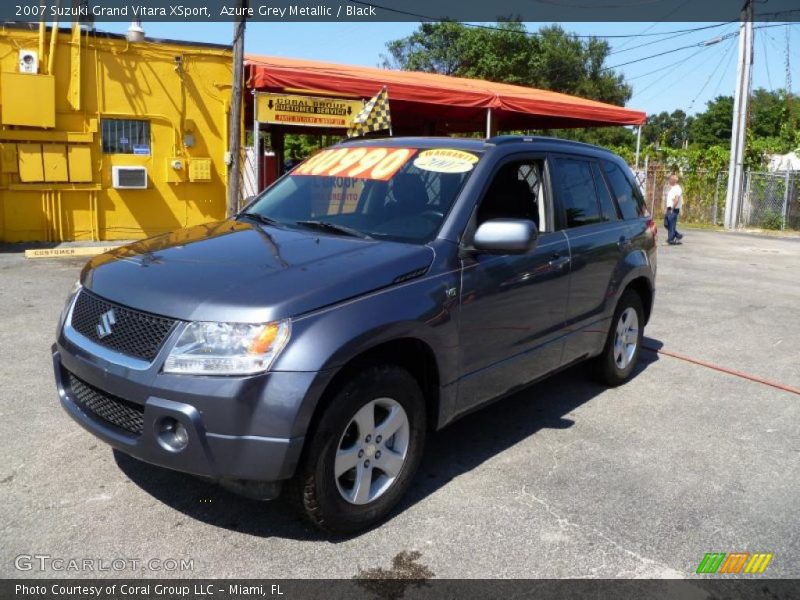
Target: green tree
{"x":713,"y":126}
{"x":433,"y":48}
{"x":768,"y":112}
{"x":553,"y":59}
{"x":668,"y":130}
{"x":608,"y":137}
{"x":772,"y":126}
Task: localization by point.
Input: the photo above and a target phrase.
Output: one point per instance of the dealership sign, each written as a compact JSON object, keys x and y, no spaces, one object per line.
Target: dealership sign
{"x":309,"y":111}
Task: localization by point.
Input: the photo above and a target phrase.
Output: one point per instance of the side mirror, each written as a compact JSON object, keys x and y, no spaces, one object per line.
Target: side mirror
{"x":505,"y":236}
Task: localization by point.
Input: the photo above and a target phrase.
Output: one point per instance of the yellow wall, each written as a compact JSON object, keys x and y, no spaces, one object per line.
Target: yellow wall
{"x":98,"y":77}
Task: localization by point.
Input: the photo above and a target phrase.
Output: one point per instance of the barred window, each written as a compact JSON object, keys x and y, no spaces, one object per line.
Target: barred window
{"x":125,"y":136}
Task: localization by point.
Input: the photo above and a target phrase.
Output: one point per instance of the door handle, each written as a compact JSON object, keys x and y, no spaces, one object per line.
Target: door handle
{"x":558,"y":261}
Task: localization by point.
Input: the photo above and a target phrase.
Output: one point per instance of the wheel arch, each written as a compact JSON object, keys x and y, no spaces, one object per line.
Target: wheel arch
{"x":644,"y":288}
{"x":410,"y":353}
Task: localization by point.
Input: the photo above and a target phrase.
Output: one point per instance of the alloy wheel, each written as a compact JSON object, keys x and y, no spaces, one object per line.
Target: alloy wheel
{"x":372,"y":451}
{"x":626,"y":337}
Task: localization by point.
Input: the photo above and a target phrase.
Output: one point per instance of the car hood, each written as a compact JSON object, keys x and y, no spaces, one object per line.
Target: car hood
{"x":242,"y":271}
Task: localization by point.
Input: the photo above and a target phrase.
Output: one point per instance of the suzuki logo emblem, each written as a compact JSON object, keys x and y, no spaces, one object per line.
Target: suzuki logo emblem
{"x":107,"y":319}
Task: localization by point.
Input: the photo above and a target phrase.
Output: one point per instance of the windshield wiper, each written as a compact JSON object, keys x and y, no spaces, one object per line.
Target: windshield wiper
{"x":334,"y":228}
{"x":259,"y":217}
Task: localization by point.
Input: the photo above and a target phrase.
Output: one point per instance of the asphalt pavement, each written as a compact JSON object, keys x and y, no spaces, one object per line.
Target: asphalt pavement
{"x":565,"y":479}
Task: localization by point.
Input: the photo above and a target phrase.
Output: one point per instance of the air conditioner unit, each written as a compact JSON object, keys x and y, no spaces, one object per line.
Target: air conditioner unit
{"x":28,"y":61}
{"x":129,"y":178}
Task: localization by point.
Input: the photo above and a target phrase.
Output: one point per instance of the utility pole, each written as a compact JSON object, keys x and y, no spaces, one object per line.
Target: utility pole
{"x":740,"y":114}
{"x":235,"y":122}
{"x":789,"y":103}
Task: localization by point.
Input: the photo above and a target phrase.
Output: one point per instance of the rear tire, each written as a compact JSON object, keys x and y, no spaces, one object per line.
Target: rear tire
{"x":624,"y":343}
{"x":352,"y":476}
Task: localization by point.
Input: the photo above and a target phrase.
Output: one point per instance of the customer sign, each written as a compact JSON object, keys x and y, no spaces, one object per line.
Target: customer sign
{"x":309,"y":111}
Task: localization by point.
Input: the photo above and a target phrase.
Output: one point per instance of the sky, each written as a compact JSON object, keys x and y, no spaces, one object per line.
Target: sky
{"x":685,"y":79}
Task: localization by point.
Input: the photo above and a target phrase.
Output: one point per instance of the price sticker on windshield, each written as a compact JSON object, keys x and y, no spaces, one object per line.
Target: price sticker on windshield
{"x":358,"y":163}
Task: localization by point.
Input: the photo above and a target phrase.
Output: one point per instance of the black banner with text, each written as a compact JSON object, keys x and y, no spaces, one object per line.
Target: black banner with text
{"x":392,"y":10}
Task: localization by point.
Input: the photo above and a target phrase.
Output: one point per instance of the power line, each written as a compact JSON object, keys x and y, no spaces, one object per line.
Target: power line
{"x":661,"y":20}
{"x":665,"y":39}
{"x":674,"y":66}
{"x":727,"y":53}
{"x":704,"y":44}
{"x":791,"y":24}
{"x":536,"y":33}
{"x":710,"y":42}
{"x":766,"y":61}
{"x":710,"y":77}
{"x":658,"y":70}
{"x":722,"y":74}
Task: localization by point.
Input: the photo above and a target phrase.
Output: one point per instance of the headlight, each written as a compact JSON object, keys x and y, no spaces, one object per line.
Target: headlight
{"x":227,"y":348}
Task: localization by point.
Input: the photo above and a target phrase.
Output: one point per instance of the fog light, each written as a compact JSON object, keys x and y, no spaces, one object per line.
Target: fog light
{"x":172,"y":434}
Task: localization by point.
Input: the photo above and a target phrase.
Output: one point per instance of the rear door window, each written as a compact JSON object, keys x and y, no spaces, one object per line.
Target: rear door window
{"x":629,"y":196}
{"x":574,"y":186}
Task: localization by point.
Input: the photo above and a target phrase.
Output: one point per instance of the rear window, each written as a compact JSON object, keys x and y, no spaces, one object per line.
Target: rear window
{"x":606,"y":202}
{"x":629,"y":196}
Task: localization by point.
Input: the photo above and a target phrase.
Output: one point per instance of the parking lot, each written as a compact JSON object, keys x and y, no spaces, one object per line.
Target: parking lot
{"x":565,"y":479}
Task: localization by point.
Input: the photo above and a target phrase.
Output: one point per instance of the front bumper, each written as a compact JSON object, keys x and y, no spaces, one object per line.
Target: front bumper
{"x":238,"y":428}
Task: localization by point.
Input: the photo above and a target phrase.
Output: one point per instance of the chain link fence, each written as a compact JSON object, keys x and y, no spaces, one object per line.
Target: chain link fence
{"x":769,"y":200}
{"x":703,"y":194}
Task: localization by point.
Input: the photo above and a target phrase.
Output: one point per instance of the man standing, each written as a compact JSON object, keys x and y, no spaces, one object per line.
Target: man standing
{"x":674,"y":204}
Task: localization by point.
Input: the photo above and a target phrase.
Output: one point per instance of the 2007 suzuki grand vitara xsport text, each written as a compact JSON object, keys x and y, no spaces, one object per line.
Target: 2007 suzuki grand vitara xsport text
{"x":381,"y":289}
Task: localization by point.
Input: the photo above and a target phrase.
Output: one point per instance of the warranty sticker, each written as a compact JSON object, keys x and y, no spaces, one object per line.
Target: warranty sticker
{"x":445,"y":160}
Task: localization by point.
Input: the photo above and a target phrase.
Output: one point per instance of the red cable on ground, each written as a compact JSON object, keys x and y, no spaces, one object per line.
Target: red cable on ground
{"x":702,"y":363}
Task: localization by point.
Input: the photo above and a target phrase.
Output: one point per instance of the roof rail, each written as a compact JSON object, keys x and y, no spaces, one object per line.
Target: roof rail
{"x":509,"y":139}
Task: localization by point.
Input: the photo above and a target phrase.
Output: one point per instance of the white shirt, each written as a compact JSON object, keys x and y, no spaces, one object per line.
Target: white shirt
{"x":675,"y":197}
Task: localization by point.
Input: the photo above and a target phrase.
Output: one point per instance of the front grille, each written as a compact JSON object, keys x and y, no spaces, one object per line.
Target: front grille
{"x":102,"y":405}
{"x":126,"y":330}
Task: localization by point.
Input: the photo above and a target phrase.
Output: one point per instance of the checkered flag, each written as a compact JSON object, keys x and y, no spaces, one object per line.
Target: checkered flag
{"x":375,"y":116}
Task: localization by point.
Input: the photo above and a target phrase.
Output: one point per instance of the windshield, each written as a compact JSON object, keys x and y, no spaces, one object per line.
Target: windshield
{"x":400,"y":194}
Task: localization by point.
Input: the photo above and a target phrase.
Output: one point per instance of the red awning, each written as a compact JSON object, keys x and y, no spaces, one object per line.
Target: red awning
{"x":430,"y":103}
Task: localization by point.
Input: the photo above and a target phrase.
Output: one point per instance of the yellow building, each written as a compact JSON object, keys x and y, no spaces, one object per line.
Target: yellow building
{"x":106,"y":139}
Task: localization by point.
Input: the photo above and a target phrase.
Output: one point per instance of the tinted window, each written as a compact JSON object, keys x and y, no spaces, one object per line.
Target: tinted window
{"x":638,"y":194}
{"x":575,"y":187}
{"x":606,"y":202}
{"x":629,"y":197}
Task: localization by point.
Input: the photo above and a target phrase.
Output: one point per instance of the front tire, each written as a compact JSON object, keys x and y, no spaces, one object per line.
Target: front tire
{"x":364,"y":452}
{"x":624,"y":343}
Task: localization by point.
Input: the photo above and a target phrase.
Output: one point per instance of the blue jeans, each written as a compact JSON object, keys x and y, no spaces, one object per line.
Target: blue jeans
{"x":672,"y":225}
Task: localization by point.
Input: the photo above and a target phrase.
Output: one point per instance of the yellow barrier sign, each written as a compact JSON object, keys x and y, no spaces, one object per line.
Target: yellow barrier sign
{"x":308,"y":111}
{"x":68,"y":252}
